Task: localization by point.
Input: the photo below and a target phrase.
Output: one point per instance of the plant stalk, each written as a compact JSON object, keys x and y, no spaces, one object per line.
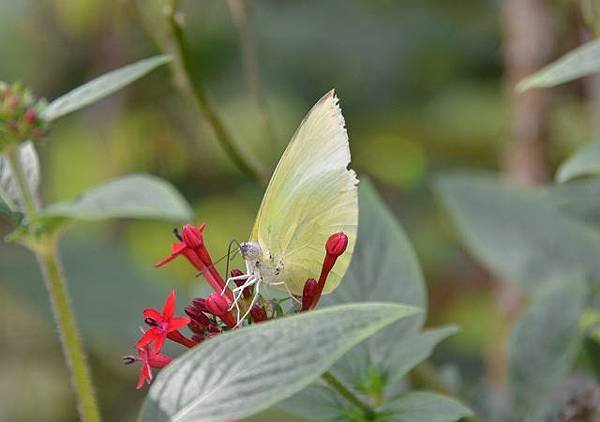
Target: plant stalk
{"x":338,"y":386}
{"x":46,"y":252}
{"x":238,"y":154}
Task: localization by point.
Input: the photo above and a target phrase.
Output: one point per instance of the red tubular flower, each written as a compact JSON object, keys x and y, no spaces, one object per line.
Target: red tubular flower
{"x":193,"y":248}
{"x":161,"y":324}
{"x":149,"y":359}
{"x":309,"y":293}
{"x":334,"y":247}
{"x":177,"y":337}
{"x":217,"y":305}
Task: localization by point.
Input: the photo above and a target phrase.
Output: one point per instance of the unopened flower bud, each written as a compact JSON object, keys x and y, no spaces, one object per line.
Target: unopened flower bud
{"x":258,"y":314}
{"x":336,"y":244}
{"x":311,"y":288}
{"x":30,"y":116}
{"x":217,"y":305}
{"x":192,"y":236}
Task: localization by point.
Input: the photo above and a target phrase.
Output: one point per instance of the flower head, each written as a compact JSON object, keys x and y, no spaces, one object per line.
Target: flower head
{"x":149,"y":359}
{"x":161,"y":324}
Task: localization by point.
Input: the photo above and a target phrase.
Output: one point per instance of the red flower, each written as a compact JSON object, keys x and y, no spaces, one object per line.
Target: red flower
{"x":149,"y":359}
{"x":334,"y":247}
{"x":161,"y":325}
{"x":192,"y":246}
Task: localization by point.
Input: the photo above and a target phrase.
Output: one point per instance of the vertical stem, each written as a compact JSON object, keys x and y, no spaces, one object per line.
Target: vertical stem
{"x":69,"y":333}
{"x":240,"y":156}
{"x":338,"y":386}
{"x":46,"y":253}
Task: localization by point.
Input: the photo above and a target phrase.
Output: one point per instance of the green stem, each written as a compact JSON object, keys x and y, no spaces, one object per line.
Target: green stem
{"x":337,"y":385}
{"x":241,"y":157}
{"x":46,"y":253}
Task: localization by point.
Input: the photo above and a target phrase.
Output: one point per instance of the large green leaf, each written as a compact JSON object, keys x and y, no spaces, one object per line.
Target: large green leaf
{"x":518,"y":233}
{"x":543,"y":344}
{"x":10,"y":194}
{"x":579,"y":199}
{"x":244,"y":371}
{"x":422,"y":406}
{"x":583,"y":61}
{"x":384,"y":267}
{"x":101,"y":87}
{"x":133,"y":196}
{"x":585,"y":162}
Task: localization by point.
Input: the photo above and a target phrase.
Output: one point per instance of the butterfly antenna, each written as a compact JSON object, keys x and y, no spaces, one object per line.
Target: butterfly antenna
{"x":211,"y":266}
{"x":229,"y":255}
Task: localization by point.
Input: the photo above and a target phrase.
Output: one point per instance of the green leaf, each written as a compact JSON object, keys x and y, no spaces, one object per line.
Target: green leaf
{"x":518,"y":233}
{"x":585,"y":162}
{"x":101,"y":87}
{"x":244,"y":371}
{"x":543,"y":345}
{"x":579,"y":200}
{"x":582,"y":61}
{"x":10,"y":194}
{"x":133,"y":196}
{"x":422,"y":406}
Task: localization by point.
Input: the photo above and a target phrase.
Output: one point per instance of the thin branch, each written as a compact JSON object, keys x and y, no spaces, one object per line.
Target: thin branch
{"x":338,"y":386}
{"x":183,"y":68}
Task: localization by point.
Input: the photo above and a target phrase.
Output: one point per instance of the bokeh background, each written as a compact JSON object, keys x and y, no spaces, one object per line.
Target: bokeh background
{"x":422,"y":87}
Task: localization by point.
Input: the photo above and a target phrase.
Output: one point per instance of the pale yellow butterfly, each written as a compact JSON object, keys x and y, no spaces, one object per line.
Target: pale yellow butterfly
{"x":312,"y":194}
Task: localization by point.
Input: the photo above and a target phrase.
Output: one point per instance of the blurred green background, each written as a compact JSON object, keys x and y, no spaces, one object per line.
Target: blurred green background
{"x":421,"y":87}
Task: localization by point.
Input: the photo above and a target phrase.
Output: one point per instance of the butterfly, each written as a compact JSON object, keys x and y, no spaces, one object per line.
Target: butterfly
{"x":311,"y":195}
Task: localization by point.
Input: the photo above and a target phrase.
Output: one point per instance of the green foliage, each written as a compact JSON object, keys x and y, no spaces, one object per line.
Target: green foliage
{"x":101,"y":87}
{"x":132,"y":196}
{"x":543,"y":345}
{"x":383,"y":267}
{"x":518,"y":233}
{"x":585,"y":162}
{"x":243,"y":371}
{"x":582,"y":61}
{"x":10,"y":195}
{"x":421,"y":406}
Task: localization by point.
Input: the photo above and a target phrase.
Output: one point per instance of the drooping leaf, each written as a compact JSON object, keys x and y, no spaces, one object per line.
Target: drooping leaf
{"x":582,"y":61}
{"x":244,"y":371}
{"x":543,"y":345}
{"x":133,"y":196}
{"x":422,"y":406}
{"x":578,"y":199}
{"x":518,"y":233}
{"x":585,"y":162}
{"x":10,"y":193}
{"x":101,"y":87}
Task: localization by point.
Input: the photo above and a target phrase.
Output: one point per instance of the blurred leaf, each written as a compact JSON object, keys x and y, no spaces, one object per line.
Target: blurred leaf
{"x":244,"y":371}
{"x":543,"y":345}
{"x":423,"y":406}
{"x":582,"y":61}
{"x":101,"y":87}
{"x":585,"y":162}
{"x":9,"y":191}
{"x":133,"y":196}
{"x":578,"y":199}
{"x":516,"y":232}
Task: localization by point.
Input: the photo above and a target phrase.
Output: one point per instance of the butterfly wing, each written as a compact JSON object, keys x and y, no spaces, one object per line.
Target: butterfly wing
{"x":312,"y":194}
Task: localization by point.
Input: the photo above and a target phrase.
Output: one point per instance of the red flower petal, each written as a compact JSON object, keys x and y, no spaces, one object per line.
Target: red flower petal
{"x":176,"y":250}
{"x":153,"y":313}
{"x":160,"y":341}
{"x":148,"y":337}
{"x":177,"y":323}
{"x":169,"y":306}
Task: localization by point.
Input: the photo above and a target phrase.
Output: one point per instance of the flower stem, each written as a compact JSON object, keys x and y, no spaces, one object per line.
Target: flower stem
{"x":45,"y":249}
{"x":239,"y":155}
{"x":338,"y":386}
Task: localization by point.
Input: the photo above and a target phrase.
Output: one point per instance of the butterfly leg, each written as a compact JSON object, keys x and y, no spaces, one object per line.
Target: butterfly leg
{"x":233,"y":279}
{"x":239,"y":291}
{"x":254,"y":298}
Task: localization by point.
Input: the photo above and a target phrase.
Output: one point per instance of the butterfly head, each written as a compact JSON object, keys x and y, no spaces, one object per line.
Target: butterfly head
{"x":250,"y":251}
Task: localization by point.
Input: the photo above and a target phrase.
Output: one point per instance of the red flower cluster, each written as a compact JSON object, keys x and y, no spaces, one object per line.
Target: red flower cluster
{"x":210,"y":316}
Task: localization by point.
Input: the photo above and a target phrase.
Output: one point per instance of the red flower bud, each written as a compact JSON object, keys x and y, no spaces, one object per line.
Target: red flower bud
{"x":336,"y":244}
{"x":309,"y":293}
{"x":192,"y":236}
{"x":258,"y":314}
{"x":248,"y":290}
{"x":30,"y":116}
{"x":217,"y":304}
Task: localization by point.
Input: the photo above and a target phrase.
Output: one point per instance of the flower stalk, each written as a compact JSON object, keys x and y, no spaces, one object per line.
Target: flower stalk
{"x":46,"y":251}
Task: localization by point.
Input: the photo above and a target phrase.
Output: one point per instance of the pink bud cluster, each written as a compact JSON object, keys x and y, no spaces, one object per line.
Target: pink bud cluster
{"x":19,"y":115}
